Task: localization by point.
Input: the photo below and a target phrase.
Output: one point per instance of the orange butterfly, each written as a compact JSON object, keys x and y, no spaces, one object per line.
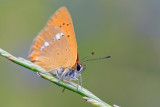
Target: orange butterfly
{"x":55,"y":47}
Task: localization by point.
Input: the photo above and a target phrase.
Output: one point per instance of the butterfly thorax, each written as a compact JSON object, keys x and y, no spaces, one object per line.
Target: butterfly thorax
{"x":68,"y":73}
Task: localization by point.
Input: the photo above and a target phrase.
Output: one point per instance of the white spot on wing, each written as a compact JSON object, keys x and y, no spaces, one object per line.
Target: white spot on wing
{"x":58,"y":36}
{"x":36,"y":59}
{"x":41,"y":48}
{"x":61,"y":34}
{"x":46,"y":44}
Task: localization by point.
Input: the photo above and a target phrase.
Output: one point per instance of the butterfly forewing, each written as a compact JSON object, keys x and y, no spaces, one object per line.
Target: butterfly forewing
{"x":62,"y":19}
{"x":56,"y":45}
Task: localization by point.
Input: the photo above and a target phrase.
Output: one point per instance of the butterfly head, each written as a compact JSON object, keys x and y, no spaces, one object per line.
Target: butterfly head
{"x":79,"y":67}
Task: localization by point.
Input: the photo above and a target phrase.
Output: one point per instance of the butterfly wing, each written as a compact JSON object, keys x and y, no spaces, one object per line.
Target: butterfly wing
{"x":62,"y":19}
{"x":56,"y":46}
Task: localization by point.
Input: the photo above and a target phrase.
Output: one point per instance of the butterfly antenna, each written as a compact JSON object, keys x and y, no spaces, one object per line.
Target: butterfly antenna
{"x":96,"y":59}
{"x":87,"y":56}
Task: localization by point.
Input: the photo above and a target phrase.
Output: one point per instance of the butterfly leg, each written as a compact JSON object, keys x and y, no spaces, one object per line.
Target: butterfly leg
{"x":69,"y":82}
{"x":74,"y":78}
{"x":60,"y":75}
{"x":63,"y":90}
{"x":50,"y":71}
{"x":80,"y":80}
{"x":77,"y":83}
{"x":61,"y":78}
{"x":73,"y":83}
{"x":40,"y":73}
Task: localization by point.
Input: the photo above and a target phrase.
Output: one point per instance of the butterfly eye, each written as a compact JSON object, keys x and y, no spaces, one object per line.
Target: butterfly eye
{"x":78,"y":67}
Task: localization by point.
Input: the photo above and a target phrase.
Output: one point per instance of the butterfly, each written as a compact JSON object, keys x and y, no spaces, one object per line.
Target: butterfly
{"x":55,"y":47}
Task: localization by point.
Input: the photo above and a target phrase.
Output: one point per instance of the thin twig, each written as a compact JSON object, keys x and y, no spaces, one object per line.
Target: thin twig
{"x":91,"y":98}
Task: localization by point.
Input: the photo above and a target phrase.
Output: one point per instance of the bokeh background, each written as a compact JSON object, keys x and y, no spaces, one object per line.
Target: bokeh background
{"x":128,"y":30}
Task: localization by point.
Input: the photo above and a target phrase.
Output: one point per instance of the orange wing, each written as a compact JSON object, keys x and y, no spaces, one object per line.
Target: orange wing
{"x":56,"y":44}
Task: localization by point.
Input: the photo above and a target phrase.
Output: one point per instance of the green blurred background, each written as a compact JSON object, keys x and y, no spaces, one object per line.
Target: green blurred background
{"x":128,"y":30}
